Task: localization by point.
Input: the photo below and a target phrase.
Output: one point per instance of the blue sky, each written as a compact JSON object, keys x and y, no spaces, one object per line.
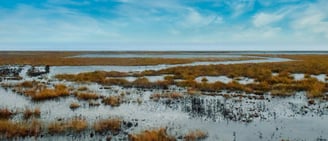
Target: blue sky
{"x":164,"y":25}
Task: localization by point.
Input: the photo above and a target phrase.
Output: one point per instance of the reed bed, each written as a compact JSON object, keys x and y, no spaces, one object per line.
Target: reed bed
{"x":152,"y":135}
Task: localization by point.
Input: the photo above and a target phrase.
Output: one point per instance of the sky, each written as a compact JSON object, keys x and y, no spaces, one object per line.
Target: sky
{"x":163,"y":25}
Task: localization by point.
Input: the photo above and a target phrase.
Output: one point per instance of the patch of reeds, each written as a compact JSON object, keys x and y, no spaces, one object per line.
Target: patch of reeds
{"x":84,"y":88}
{"x":75,"y":125}
{"x":44,"y":94}
{"x":5,"y":113}
{"x":11,"y":129}
{"x":152,"y":135}
{"x":195,"y":135}
{"x":112,"y":100}
{"x":87,"y":96}
{"x":113,"y":125}
{"x":29,"y":113}
{"x":172,"y":96}
{"x":74,"y":105}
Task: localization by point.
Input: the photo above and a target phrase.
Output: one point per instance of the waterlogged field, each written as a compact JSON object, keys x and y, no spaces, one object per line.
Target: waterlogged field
{"x":164,"y":96}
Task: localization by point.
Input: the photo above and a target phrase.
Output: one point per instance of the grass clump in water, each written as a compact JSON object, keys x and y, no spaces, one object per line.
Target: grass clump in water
{"x":195,"y":135}
{"x":152,"y":135}
{"x":104,"y":125}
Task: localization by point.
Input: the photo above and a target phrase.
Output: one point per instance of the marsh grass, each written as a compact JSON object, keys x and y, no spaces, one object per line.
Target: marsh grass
{"x":84,"y":88}
{"x":11,"y":129}
{"x":5,"y":113}
{"x":195,"y":135}
{"x":87,"y":96}
{"x":152,"y":135}
{"x":65,"y":59}
{"x":29,"y":113}
{"x":74,"y":105}
{"x":113,"y":100}
{"x":171,"y":96}
{"x":71,"y":125}
{"x":44,"y":94}
{"x":113,"y":125}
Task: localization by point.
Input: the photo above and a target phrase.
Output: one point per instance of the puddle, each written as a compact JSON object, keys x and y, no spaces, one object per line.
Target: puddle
{"x":150,"y":78}
{"x":224,"y":79}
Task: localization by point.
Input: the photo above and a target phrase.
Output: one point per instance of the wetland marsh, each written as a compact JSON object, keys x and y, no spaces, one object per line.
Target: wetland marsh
{"x":189,"y":96}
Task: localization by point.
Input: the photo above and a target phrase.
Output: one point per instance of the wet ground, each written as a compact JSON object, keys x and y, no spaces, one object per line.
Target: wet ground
{"x":238,"y":116}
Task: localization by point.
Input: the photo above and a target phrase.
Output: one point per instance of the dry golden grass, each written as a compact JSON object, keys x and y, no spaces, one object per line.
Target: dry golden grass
{"x":28,"y":113}
{"x":38,"y":91}
{"x":5,"y":113}
{"x":75,"y":125}
{"x":44,"y":94}
{"x":56,"y":127}
{"x":172,"y":96}
{"x":27,"y":84}
{"x":282,"y":92}
{"x":84,"y":88}
{"x":195,"y":135}
{"x":112,"y":100}
{"x":112,"y":125}
{"x":74,"y":105}
{"x":152,"y":135}
{"x":281,"y":85}
{"x":10,"y":129}
{"x":64,"y":59}
{"x":87,"y":96}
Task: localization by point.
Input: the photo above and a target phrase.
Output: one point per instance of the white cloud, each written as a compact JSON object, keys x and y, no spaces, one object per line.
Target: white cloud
{"x":263,"y":19}
{"x":30,"y":24}
{"x":195,"y":19}
{"x":312,"y":22}
{"x":239,"y":7}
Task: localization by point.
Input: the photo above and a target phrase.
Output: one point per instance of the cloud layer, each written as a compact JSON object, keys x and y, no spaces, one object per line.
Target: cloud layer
{"x":222,"y":22}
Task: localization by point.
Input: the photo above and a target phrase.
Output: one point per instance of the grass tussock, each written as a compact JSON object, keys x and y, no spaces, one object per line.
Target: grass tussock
{"x":75,"y":125}
{"x":104,"y":125}
{"x":195,"y":135}
{"x":5,"y":113}
{"x":28,"y":113}
{"x":40,"y":92}
{"x":84,"y":88}
{"x":74,"y":105}
{"x":152,"y":135}
{"x":87,"y":96}
{"x":113,"y":100}
{"x":11,"y":129}
{"x":172,"y":96}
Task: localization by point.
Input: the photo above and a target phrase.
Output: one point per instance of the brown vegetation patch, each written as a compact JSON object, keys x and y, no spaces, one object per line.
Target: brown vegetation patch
{"x":5,"y":113}
{"x":172,"y":96}
{"x":28,"y":113}
{"x":112,"y":125}
{"x":44,"y":94}
{"x":74,"y":105}
{"x":75,"y":125}
{"x":65,"y":59}
{"x":87,"y":96}
{"x":152,"y":135}
{"x":113,"y":100}
{"x":195,"y":135}
{"x":11,"y":129}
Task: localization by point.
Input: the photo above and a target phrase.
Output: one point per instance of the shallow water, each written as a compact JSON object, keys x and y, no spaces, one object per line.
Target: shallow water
{"x":245,"y":117}
{"x":78,"y":69}
{"x":223,"y":119}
